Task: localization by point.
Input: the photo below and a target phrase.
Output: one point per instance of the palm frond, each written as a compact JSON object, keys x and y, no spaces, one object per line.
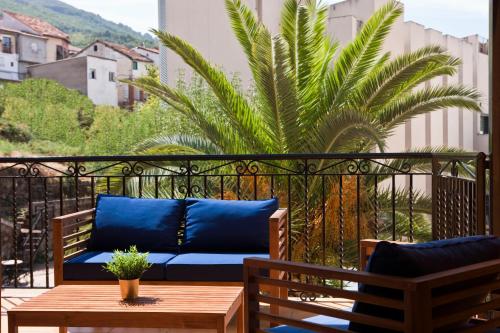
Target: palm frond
{"x":245,"y":26}
{"x":427,"y":100}
{"x":358,"y":57}
{"x":382,"y":83}
{"x":241,"y":115}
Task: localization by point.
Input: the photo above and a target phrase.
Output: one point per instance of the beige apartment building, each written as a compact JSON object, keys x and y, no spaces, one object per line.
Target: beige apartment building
{"x":206,"y":26}
{"x":451,"y":127}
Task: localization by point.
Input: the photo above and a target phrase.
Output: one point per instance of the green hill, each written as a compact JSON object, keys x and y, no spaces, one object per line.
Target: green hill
{"x":82,"y":26}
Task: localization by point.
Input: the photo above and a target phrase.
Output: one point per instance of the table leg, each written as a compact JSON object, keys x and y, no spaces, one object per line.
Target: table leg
{"x":240,"y":320}
{"x":221,"y":327}
{"x":63,"y":330}
{"x":12,"y":324}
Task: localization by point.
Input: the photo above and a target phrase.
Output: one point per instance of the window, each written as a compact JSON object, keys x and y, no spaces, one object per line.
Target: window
{"x":34,"y":47}
{"x":6,"y":44}
{"x":96,"y":48}
{"x":360,"y":25}
{"x":111,"y":77}
{"x":135,"y":65}
{"x":93,"y":74}
{"x":485,"y":124}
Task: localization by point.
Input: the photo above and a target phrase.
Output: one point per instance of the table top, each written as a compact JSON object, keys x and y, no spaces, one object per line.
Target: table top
{"x":175,"y":299}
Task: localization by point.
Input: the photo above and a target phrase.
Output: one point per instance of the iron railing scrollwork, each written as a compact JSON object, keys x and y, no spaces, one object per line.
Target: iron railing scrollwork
{"x":334,"y":200}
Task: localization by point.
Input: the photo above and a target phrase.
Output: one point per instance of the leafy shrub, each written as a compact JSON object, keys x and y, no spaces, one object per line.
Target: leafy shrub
{"x":14,"y":132}
{"x":49,"y":110}
{"x":128,"y":265}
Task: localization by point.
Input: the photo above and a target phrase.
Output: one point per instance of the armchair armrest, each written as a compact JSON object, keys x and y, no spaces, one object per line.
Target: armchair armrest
{"x":429,"y":303}
{"x":71,"y":233}
{"x":256,"y":283}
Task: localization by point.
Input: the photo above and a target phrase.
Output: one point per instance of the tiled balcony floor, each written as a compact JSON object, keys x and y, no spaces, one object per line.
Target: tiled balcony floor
{"x":12,"y":297}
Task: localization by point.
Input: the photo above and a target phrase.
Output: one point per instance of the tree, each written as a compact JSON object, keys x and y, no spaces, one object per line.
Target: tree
{"x":311,"y":96}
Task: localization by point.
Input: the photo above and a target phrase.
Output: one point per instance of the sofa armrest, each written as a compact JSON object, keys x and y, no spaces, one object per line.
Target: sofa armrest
{"x":278,"y":234}
{"x":70,"y":237}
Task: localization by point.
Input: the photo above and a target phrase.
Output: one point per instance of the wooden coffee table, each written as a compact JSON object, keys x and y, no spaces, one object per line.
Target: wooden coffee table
{"x":158,"y":306}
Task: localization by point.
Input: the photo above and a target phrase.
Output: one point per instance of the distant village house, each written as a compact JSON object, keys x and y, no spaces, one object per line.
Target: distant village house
{"x":34,"y":48}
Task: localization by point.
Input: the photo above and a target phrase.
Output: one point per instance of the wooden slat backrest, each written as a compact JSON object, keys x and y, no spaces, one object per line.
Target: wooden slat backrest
{"x":256,"y":280}
{"x":420,"y":299}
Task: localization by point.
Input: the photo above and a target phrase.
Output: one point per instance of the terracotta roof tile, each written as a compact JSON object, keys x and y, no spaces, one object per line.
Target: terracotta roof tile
{"x":38,"y":25}
{"x":125,"y":51}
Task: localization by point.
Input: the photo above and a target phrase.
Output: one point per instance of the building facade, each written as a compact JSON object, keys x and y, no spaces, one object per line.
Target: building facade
{"x":57,"y":41}
{"x":452,"y":127}
{"x":130,"y":65}
{"x":28,"y":41}
{"x":92,"y":76}
{"x":153,"y":54}
{"x":206,"y":26}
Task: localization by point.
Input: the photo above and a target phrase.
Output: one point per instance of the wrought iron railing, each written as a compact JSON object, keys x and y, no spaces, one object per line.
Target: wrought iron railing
{"x":334,"y":200}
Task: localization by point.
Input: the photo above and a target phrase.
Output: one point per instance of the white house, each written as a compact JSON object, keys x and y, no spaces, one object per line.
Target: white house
{"x":93,"y":76}
{"x":130,"y":65}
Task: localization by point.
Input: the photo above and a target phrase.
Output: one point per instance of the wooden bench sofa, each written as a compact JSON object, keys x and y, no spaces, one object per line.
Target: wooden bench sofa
{"x":76,"y":263}
{"x":461,"y":299}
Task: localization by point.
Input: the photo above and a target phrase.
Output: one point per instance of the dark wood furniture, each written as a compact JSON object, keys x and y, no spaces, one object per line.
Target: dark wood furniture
{"x":418,"y":303}
{"x":187,"y":307}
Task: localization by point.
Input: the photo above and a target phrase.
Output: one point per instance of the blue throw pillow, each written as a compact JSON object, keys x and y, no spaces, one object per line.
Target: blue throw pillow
{"x":228,"y":225}
{"x":422,"y":259}
{"x":151,"y":224}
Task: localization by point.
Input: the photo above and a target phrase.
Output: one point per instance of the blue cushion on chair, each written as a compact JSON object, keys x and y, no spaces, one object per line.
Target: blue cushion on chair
{"x":208,"y":267}
{"x":330,"y":322}
{"x":88,"y":266}
{"x":416,"y":260}
{"x":151,"y":224}
{"x":228,"y":225}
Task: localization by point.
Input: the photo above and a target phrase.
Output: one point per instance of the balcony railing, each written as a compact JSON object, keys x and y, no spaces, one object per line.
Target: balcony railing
{"x":334,"y":200}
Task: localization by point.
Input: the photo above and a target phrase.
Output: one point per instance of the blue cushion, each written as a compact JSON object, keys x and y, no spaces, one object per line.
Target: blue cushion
{"x":151,"y":224}
{"x":227,"y":225}
{"x":218,"y":267}
{"x":320,"y":320}
{"x":88,"y":266}
{"x":421,"y":259}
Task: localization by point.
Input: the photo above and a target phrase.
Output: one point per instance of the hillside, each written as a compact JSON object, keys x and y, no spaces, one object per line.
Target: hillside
{"x":82,"y":26}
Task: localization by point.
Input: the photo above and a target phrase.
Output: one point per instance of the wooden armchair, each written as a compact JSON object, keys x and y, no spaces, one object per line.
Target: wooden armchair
{"x":421,"y":306}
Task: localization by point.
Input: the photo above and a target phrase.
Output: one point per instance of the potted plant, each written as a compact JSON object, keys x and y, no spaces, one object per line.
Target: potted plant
{"x":128,"y":267}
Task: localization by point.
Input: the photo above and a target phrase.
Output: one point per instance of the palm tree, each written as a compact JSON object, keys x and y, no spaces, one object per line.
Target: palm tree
{"x":310,"y":95}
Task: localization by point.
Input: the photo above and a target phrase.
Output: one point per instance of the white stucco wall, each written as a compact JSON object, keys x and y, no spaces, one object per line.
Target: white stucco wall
{"x":123,"y":64}
{"x":102,"y":91}
{"x":9,"y":67}
{"x":151,"y":55}
{"x":206,"y":26}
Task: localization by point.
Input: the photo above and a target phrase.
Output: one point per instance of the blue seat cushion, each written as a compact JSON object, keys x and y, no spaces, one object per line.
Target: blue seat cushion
{"x":330,"y":322}
{"x":416,"y":260}
{"x":209,"y":267}
{"x":150,"y":224}
{"x":227,"y":225}
{"x":88,"y":266}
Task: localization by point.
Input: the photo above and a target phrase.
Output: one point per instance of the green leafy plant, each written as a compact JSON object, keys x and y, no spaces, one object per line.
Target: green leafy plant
{"x":129,"y":264}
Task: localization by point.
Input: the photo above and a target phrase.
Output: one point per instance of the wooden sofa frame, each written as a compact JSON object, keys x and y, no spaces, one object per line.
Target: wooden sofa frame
{"x":71,"y":236}
{"x":418,"y":303}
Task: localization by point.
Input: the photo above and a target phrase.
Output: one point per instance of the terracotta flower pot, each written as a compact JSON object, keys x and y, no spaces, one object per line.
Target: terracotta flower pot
{"x":129,"y":289}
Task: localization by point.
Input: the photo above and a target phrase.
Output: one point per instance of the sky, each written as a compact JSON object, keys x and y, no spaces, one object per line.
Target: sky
{"x":454,"y":17}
